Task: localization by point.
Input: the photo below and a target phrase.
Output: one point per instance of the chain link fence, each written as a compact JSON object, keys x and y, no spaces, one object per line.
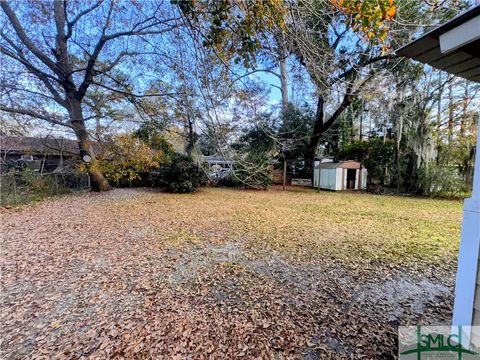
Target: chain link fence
{"x":27,"y":186}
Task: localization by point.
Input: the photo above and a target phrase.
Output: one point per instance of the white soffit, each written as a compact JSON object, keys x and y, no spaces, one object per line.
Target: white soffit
{"x":461,"y":35}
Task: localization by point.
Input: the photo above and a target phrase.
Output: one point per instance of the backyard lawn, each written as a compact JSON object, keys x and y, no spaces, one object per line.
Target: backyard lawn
{"x":224,"y":273}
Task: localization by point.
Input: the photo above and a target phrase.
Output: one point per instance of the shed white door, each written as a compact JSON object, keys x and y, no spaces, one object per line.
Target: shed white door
{"x":328,"y":178}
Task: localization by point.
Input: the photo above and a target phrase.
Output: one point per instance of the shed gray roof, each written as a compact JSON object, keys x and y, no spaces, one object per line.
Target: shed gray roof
{"x":463,"y":61}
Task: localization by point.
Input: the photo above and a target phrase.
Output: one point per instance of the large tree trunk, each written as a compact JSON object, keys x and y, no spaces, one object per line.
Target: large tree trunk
{"x":439,"y":117}
{"x":284,"y":82}
{"x":190,"y":135}
{"x":282,"y":64}
{"x":398,"y":131}
{"x":450,"y":112}
{"x":463,"y":123}
{"x":321,"y":126}
{"x":97,"y":180}
{"x":318,"y":130}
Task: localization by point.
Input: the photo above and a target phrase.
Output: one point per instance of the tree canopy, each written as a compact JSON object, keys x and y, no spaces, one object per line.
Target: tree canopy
{"x":227,"y":78}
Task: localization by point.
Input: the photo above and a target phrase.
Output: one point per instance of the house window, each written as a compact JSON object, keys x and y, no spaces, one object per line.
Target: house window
{"x":27,"y":157}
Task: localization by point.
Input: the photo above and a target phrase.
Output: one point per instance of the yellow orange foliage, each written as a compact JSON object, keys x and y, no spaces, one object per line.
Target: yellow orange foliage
{"x":371,"y":18}
{"x":126,"y":156}
{"x":233,"y":28}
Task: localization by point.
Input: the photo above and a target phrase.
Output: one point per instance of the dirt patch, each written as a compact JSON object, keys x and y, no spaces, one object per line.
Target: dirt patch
{"x":325,"y":291}
{"x":400,"y":297}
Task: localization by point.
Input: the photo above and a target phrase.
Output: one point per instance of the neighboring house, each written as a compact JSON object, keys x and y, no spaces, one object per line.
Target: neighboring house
{"x":215,"y":162}
{"x":218,"y":167}
{"x":42,"y":154}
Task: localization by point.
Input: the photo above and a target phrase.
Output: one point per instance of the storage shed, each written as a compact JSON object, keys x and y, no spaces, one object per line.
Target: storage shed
{"x":343,"y":175}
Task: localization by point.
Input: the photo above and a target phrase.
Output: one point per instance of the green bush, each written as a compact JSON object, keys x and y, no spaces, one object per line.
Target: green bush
{"x":181,"y":175}
{"x":229,"y":181}
{"x":443,"y":181}
{"x":15,"y":166}
{"x":375,"y":154}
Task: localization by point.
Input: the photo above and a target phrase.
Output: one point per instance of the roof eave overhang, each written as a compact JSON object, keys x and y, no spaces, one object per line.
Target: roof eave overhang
{"x":453,"y":47}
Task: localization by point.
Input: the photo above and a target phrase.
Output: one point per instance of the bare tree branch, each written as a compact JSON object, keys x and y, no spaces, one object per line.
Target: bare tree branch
{"x":53,"y":119}
{"x":126,"y":93}
{"x":26,"y":40}
{"x":71,"y":24}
